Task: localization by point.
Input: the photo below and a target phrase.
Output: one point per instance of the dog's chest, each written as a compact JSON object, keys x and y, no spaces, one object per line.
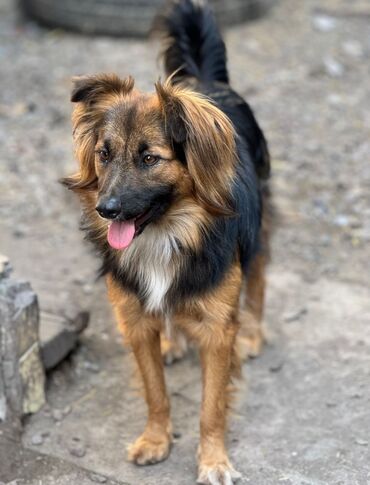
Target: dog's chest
{"x":155,"y":281}
{"x":149,"y":260}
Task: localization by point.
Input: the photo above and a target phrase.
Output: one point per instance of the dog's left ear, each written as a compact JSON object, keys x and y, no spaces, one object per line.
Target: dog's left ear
{"x":208,"y":139}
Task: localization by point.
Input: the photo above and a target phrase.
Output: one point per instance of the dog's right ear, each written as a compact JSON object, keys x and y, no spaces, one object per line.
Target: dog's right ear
{"x":88,"y":89}
{"x":93,"y":95}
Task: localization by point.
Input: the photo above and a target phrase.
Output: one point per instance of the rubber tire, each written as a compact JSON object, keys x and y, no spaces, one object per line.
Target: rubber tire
{"x":124,"y":17}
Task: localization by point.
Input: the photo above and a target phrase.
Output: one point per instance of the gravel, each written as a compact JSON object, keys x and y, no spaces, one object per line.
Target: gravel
{"x":77,"y":447}
{"x":37,"y":439}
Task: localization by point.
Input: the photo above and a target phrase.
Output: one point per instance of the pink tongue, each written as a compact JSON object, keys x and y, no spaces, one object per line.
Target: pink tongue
{"x":121,"y":233}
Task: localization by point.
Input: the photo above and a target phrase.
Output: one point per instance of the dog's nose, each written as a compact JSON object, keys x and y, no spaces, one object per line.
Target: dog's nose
{"x":109,"y":208}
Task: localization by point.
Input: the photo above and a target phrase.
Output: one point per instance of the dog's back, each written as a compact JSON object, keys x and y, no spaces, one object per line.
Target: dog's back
{"x":194,"y":55}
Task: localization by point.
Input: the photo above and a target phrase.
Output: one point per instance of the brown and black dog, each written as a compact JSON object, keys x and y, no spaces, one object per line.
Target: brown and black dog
{"x":171,"y":189}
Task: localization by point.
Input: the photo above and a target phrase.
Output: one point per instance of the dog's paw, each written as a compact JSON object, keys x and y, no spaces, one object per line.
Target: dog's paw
{"x":218,"y":474}
{"x":173,"y":350}
{"x":147,"y":450}
{"x":249,"y":347}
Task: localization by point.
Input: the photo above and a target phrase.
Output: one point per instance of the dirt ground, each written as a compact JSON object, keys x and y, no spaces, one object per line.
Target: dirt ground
{"x":303,"y":414}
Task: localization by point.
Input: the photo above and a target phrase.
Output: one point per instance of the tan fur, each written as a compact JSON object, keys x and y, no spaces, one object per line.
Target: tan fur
{"x":251,"y":337}
{"x":210,"y":143}
{"x":202,"y":190}
{"x":105,"y":90}
{"x":173,"y":346}
{"x":211,"y":322}
{"x":154,"y":444}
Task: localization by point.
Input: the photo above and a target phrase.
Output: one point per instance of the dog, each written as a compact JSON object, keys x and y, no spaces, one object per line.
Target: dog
{"x":173,"y":188}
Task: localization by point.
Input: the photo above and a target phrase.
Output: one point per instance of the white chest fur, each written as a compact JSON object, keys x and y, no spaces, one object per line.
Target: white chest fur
{"x":150,"y":259}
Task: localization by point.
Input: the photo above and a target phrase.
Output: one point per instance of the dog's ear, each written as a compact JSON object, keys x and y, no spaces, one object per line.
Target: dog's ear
{"x":93,"y":95}
{"x":89,"y":89}
{"x":208,"y":140}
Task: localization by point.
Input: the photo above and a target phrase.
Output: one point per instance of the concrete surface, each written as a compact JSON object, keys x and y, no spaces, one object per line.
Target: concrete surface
{"x":303,"y":415}
{"x":33,"y":468}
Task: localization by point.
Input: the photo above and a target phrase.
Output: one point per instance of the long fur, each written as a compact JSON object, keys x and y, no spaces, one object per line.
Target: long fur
{"x":93,"y":95}
{"x":209,"y":140}
{"x":193,"y":50}
{"x":221,"y":143}
{"x":202,"y":247}
{"x":192,"y":44}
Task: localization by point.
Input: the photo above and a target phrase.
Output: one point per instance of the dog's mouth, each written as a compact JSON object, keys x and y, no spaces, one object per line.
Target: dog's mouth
{"x":121,"y":233}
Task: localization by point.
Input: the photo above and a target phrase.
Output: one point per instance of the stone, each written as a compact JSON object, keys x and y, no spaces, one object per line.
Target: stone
{"x":20,"y":232}
{"x":276,"y":366}
{"x":294,"y":315}
{"x":333,"y":67}
{"x":37,"y":440}
{"x":323,"y":23}
{"x":33,"y":378}
{"x":5,"y":267}
{"x":57,"y":414}
{"x":98,"y":478}
{"x":353,"y":48}
{"x":341,"y":220}
{"x":91,"y":366}
{"x":77,"y":447}
{"x":59,"y":336}
{"x":361,"y":442}
{"x":22,"y":376}
{"x":334,"y":99}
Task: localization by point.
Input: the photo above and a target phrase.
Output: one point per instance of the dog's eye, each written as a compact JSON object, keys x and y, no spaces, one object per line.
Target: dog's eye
{"x":103,"y":155}
{"x":150,"y":159}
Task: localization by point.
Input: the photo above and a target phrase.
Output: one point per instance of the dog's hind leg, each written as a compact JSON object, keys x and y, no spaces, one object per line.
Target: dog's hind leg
{"x":173,"y":347}
{"x":250,"y":338}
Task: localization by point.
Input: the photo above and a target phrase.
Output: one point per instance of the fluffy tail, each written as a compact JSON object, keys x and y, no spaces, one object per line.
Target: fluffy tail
{"x":193,"y":46}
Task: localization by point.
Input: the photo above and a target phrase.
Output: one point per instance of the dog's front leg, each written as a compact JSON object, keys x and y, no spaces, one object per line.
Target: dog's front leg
{"x":142,"y":333}
{"x":154,"y":444}
{"x":218,"y":361}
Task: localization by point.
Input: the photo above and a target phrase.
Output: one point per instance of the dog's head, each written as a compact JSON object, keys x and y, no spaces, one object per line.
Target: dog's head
{"x":139,"y":153}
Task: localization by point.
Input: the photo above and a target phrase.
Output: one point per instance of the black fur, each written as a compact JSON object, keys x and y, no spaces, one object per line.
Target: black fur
{"x":244,"y":122}
{"x":198,"y":51}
